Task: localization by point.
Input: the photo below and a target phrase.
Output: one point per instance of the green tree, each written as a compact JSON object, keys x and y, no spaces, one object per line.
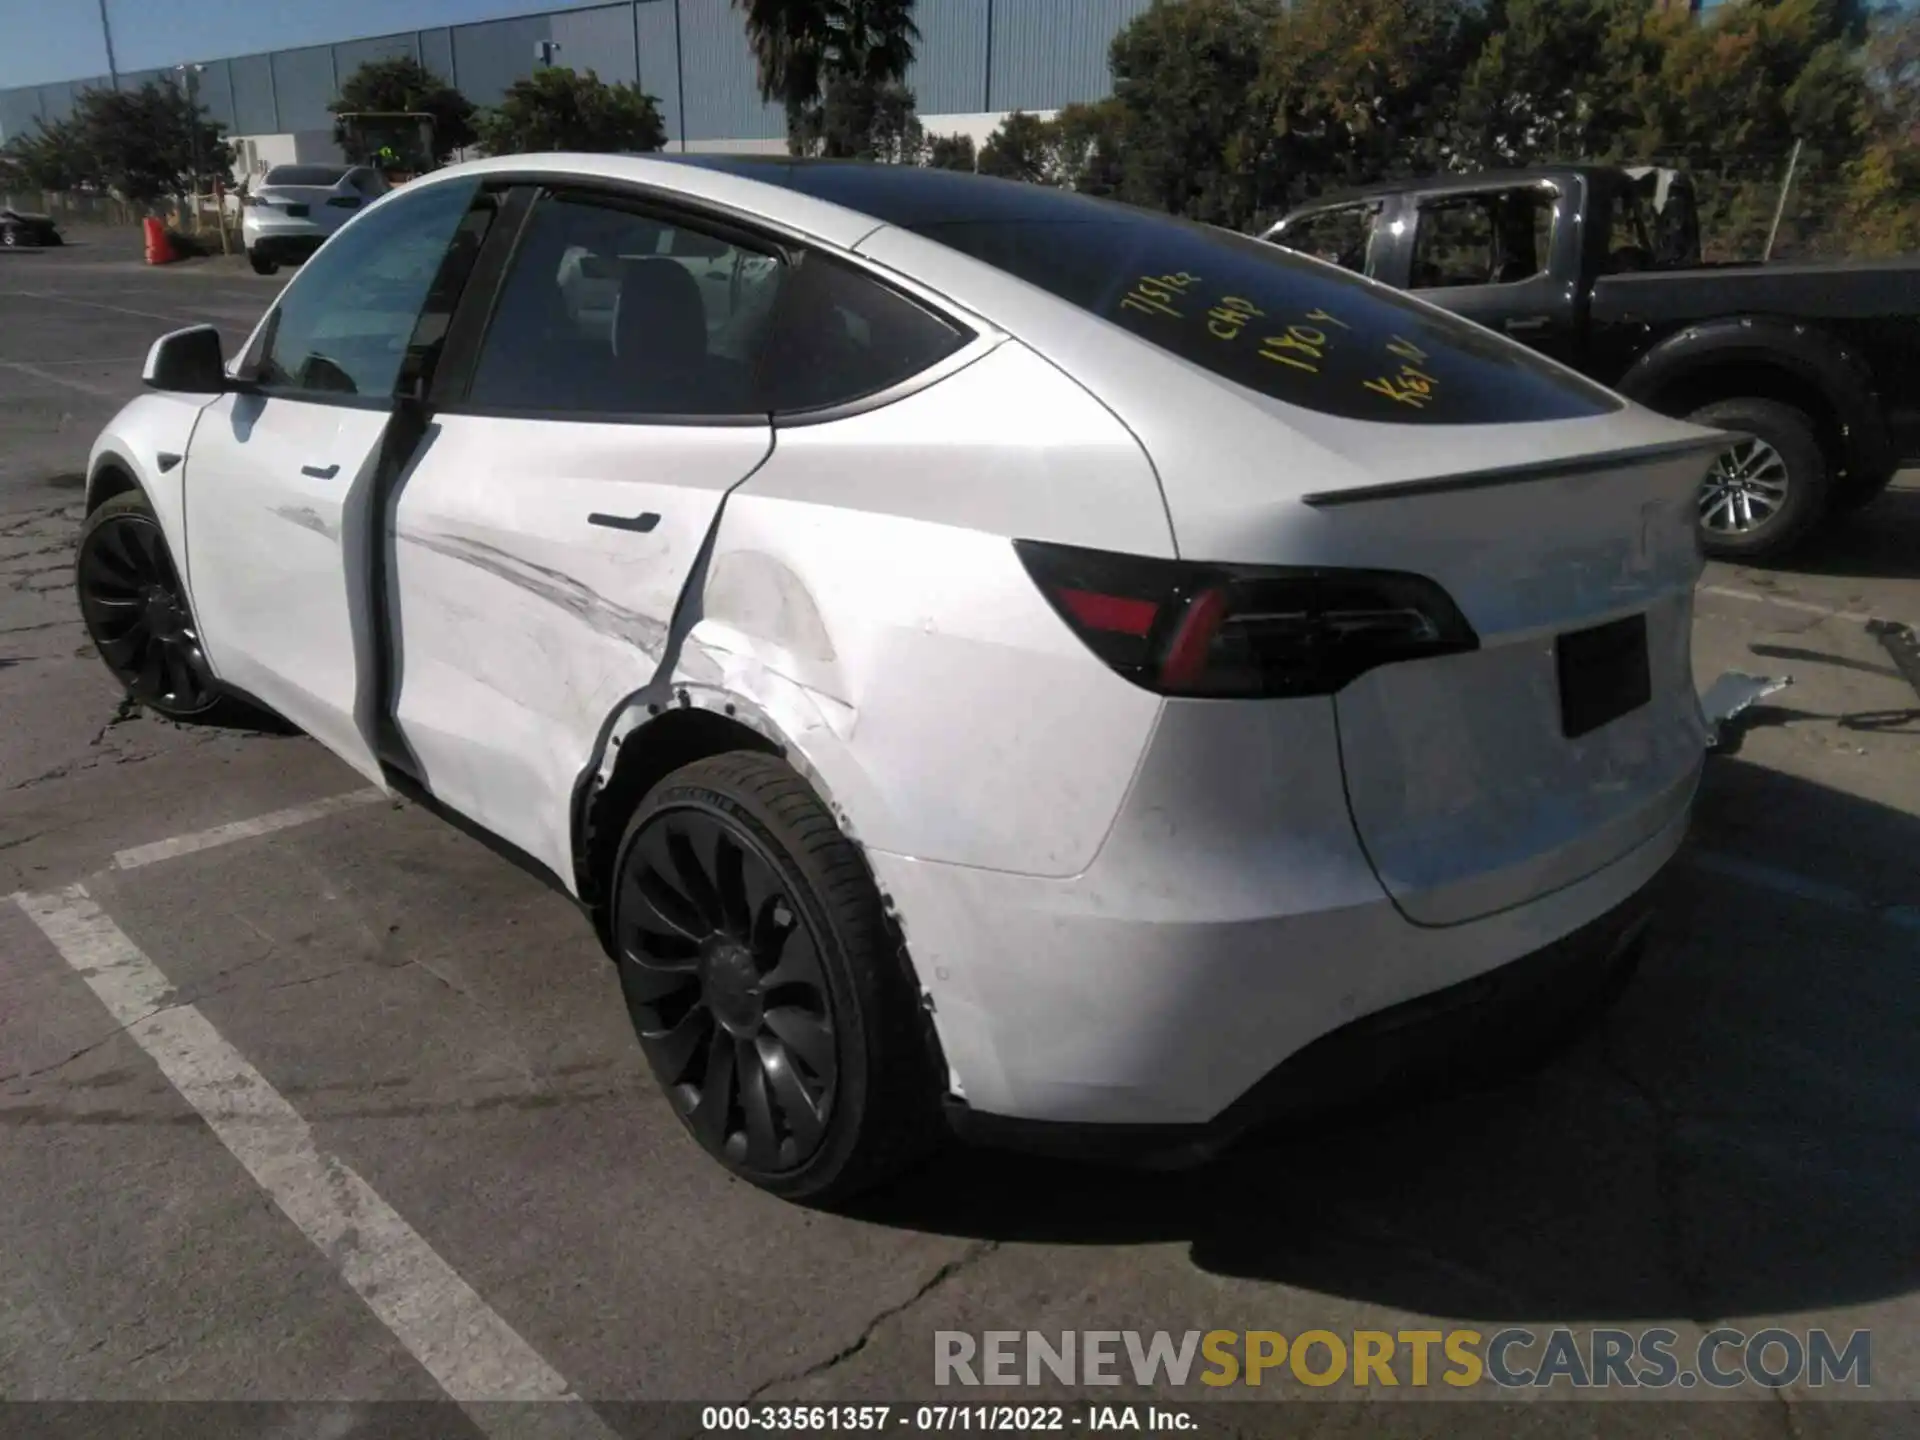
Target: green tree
{"x":1191,"y":127}
{"x":142,"y":144}
{"x":1021,"y":148}
{"x":837,"y":67}
{"x":560,"y":109}
{"x":951,"y":152}
{"x":49,"y":157}
{"x":1087,"y":144}
{"x":404,"y":85}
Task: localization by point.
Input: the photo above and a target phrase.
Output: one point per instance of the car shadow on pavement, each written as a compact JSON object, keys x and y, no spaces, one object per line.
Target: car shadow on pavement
{"x":1879,"y":541}
{"x":1734,"y":1137}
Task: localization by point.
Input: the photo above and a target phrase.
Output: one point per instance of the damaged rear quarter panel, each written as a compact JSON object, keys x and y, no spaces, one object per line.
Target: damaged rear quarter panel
{"x":864,"y":595}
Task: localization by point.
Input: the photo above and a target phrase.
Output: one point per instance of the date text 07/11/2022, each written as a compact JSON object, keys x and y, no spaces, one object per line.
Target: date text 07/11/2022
{"x":787,"y":1419}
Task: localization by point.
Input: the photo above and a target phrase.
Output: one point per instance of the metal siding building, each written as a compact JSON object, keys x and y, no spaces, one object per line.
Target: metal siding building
{"x":974,"y":57}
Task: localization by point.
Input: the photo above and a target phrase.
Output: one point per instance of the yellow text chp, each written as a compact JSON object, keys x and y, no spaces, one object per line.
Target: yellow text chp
{"x":1320,"y":1357}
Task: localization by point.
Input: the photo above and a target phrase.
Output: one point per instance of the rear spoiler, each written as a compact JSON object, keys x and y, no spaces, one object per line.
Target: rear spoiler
{"x":1710,"y":444}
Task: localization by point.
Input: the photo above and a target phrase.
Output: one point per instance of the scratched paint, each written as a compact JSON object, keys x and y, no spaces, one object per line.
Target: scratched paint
{"x":591,"y":608}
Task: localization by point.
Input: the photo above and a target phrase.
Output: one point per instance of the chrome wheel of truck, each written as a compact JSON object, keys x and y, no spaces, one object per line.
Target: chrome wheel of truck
{"x":1745,"y":489}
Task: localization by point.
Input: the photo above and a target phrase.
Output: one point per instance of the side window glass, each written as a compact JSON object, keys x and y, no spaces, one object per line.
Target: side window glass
{"x":1627,"y":245}
{"x":344,"y":324}
{"x":1453,"y":244}
{"x":1340,"y":237}
{"x":614,"y":312}
{"x":842,"y":335}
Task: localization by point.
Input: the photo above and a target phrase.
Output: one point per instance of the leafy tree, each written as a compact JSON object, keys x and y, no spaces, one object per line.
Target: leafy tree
{"x":1188,"y":120}
{"x":405,"y":85}
{"x":49,"y":157}
{"x":1022,"y":148}
{"x":561,"y":109}
{"x":836,"y":67}
{"x":142,"y":144}
{"x":951,"y":152}
{"x":1088,"y":147}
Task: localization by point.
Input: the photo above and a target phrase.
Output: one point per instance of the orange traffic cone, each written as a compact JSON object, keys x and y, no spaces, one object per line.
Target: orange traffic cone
{"x":159,"y":248}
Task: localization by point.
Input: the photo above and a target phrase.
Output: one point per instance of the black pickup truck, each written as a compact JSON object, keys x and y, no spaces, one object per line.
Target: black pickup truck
{"x":1818,"y":365}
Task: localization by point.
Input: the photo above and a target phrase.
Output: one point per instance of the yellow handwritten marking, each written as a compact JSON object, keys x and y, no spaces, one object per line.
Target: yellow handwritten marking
{"x":1148,"y":306}
{"x":1271,"y":354}
{"x":1407,"y":350}
{"x":1227,"y":319}
{"x":1409,"y":387}
{"x":1324,"y":318}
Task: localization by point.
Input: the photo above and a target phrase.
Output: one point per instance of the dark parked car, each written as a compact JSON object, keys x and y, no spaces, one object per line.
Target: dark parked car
{"x":1817,"y":364}
{"x":18,"y":229}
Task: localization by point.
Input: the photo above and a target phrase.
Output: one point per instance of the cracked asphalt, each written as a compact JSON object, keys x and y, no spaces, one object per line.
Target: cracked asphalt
{"x":1737,"y":1141}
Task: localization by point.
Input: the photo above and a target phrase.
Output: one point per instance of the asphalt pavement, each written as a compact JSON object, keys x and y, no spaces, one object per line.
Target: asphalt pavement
{"x":306,"y":1097}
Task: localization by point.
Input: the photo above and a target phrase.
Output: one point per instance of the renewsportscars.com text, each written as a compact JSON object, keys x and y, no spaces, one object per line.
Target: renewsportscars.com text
{"x":1512,"y":1358}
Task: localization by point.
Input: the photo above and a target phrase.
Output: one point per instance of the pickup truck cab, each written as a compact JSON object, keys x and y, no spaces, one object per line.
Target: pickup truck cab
{"x":1816,"y":365}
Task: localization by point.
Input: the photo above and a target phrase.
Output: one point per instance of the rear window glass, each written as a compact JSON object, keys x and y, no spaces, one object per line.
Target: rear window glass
{"x":1293,"y":330}
{"x":328,"y":175}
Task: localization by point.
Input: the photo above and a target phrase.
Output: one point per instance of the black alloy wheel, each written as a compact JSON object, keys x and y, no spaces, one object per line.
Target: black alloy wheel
{"x":136,"y":610}
{"x":723,"y":973}
{"x":772,"y":998}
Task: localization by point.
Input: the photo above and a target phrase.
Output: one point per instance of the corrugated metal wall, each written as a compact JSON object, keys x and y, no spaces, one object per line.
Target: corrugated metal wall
{"x":303,"y":87}
{"x":718,"y":79}
{"x":1049,"y":52}
{"x":974,"y":55}
{"x":949,"y":71}
{"x":254,"y":112}
{"x":656,"y":32}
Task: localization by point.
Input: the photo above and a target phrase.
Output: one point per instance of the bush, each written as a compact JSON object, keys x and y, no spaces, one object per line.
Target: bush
{"x":560,"y":109}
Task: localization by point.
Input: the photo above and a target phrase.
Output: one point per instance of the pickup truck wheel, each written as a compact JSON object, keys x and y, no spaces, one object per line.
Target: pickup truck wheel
{"x":1857,"y":491}
{"x":1767,"y":492}
{"x":261,"y":264}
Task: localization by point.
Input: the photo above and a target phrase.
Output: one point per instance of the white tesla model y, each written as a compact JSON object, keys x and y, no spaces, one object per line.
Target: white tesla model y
{"x":977,"y":653}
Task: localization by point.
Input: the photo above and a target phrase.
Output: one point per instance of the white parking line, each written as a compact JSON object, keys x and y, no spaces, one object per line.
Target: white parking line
{"x":1729,"y":592}
{"x":138,"y":855}
{"x":1801,"y":887}
{"x":474,"y":1355}
{"x":105,"y":392}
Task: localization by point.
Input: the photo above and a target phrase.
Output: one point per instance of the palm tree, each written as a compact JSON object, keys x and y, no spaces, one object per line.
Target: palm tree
{"x":806,"y":48}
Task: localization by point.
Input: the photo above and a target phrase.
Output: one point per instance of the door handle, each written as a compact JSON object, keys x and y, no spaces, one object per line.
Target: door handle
{"x":1528,"y":323}
{"x":642,"y":522}
{"x":320,"y":472}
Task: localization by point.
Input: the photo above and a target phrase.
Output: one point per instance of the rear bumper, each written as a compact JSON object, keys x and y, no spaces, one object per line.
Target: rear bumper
{"x":285,"y":247}
{"x":1445,"y":1036}
{"x":1230,"y":921}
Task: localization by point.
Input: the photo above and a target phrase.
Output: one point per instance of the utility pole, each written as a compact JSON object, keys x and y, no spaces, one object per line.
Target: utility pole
{"x":193,"y":132}
{"x":106,"y":34}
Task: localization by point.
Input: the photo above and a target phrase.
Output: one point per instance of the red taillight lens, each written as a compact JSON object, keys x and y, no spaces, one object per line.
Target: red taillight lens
{"x":1181,"y":628}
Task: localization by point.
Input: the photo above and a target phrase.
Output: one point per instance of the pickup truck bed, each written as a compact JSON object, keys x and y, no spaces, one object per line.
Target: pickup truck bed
{"x":1818,"y":364}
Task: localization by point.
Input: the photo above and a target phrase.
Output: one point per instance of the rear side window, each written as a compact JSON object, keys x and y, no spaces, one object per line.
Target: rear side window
{"x":841,"y":336}
{"x":1274,"y":321}
{"x":1498,"y":238}
{"x":612,"y":311}
{"x":1339,"y":237}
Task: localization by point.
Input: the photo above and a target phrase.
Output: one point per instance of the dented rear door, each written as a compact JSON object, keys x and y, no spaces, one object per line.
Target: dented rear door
{"x":558,"y":505}
{"x":536,"y":569}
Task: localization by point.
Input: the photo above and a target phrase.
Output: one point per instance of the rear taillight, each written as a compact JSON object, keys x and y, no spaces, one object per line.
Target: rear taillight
{"x":1178,"y":627}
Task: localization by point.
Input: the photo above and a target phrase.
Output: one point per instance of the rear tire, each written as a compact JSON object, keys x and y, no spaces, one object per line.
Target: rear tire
{"x":767,"y":989}
{"x":261,"y":264}
{"x":1855,"y":492}
{"x":1768,"y":493}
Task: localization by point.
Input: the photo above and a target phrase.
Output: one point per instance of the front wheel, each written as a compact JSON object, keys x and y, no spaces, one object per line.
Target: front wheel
{"x":1767,"y":491}
{"x":136,"y":611}
{"x":261,"y":264}
{"x":767,"y":989}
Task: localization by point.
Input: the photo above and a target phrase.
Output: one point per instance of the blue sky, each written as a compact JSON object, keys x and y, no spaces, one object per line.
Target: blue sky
{"x":42,"y":40}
